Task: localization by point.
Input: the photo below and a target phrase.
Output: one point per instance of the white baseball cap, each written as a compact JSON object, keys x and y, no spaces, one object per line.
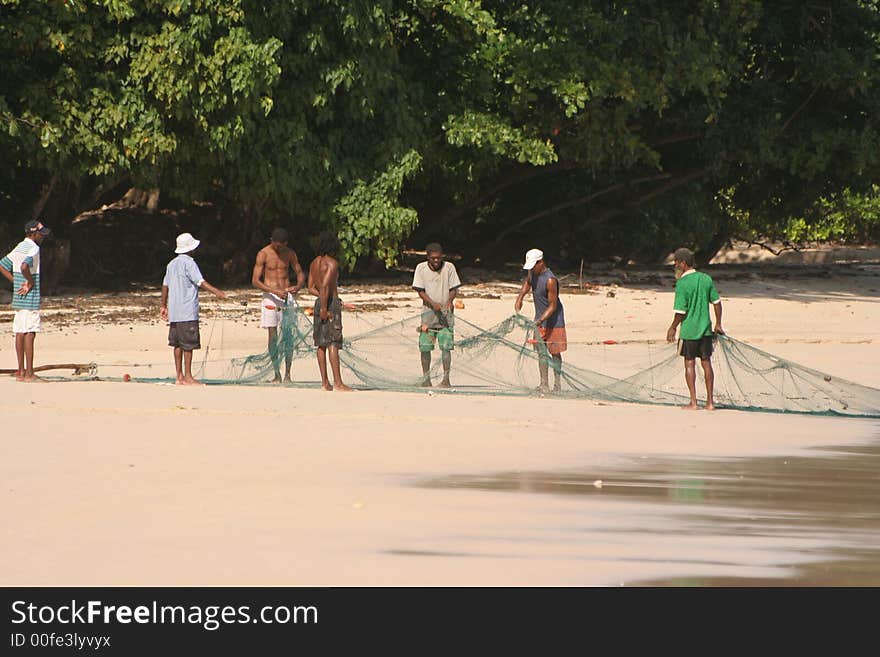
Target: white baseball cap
{"x":532,"y":256}
{"x":186,"y":243}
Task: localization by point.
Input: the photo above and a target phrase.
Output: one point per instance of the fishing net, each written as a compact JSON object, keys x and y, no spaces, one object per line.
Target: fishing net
{"x":506,"y":360}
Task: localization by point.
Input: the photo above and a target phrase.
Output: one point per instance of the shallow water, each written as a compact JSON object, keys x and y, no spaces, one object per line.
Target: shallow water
{"x":788,"y":521}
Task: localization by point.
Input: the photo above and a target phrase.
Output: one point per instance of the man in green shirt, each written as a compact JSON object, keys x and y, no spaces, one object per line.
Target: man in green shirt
{"x":694,"y":292}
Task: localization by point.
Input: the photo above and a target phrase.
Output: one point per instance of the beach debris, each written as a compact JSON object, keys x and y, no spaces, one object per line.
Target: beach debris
{"x":126,"y":377}
{"x":459,"y":304}
{"x":609,"y":341}
{"x":598,"y":483}
{"x":611,"y":293}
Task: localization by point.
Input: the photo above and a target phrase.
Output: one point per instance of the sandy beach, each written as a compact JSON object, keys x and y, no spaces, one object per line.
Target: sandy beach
{"x":109,"y":483}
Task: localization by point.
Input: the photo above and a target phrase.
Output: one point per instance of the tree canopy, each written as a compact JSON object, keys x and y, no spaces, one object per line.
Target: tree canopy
{"x":598,"y":128}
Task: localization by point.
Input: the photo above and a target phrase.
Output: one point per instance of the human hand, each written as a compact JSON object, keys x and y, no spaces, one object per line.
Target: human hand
{"x":436,"y":306}
{"x":25,"y":288}
{"x":719,"y":330}
{"x":324,"y":314}
{"x":164,"y":314}
{"x":670,"y":334}
{"x":517,"y":306}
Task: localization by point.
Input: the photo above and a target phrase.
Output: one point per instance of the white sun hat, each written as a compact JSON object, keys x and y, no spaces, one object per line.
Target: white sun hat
{"x":186,"y":243}
{"x":532,"y":256}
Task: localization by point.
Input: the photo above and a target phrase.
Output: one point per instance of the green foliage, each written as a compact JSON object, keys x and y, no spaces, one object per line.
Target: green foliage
{"x":609,"y":129}
{"x":371,"y":219}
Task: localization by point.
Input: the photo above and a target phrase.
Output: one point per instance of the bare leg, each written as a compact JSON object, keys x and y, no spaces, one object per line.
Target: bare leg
{"x":187,"y":369}
{"x":29,"y":375}
{"x":557,"y":372}
{"x":178,"y":364}
{"x":690,"y":377}
{"x":288,"y":360}
{"x":322,"y":365}
{"x":709,"y":375}
{"x":19,"y":354}
{"x":426,"y":369}
{"x":273,"y":352}
{"x":337,"y":376}
{"x":447,"y":365}
{"x":542,"y":370}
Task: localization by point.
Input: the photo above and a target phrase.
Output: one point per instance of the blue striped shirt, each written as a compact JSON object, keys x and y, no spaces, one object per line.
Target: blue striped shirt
{"x":27,"y":252}
{"x":183,"y":278}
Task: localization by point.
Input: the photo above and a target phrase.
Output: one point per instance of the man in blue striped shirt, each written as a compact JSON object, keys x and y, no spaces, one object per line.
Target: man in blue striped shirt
{"x":21,"y":267}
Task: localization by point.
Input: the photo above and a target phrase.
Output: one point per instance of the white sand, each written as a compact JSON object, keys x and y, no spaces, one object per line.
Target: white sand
{"x":144,"y":484}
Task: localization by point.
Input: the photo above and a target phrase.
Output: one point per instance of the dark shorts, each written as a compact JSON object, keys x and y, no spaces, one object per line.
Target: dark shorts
{"x":184,"y":335}
{"x":328,"y":332}
{"x":702,"y":348}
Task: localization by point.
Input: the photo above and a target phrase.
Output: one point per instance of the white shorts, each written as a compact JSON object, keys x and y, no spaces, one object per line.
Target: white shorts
{"x":26,"y":321}
{"x":270,"y":309}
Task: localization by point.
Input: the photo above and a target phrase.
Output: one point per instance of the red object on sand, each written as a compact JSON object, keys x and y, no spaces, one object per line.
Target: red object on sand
{"x":609,"y":341}
{"x":126,"y":377}
{"x":532,"y":341}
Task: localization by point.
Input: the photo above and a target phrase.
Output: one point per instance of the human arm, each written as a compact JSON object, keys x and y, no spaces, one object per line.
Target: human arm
{"x":28,"y":284}
{"x":717,"y":307}
{"x":330,"y":274}
{"x":454,"y":284}
{"x":213,"y":290}
{"x":163,"y":313}
{"x":524,"y":290}
{"x":452,"y":294}
{"x":6,"y":269}
{"x":300,"y":275}
{"x":429,"y":301}
{"x":552,"y":301}
{"x":676,"y":320}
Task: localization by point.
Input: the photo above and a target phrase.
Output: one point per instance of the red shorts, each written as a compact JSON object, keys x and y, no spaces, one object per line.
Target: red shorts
{"x":555,"y":339}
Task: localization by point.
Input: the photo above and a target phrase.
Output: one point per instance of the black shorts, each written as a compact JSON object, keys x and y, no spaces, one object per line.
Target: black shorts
{"x":328,"y":332}
{"x":184,"y":335}
{"x":702,"y":348}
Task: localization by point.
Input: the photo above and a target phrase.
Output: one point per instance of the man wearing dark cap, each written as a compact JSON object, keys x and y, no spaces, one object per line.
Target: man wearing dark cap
{"x":695,"y":293}
{"x":22,"y":268}
{"x":272,"y":276}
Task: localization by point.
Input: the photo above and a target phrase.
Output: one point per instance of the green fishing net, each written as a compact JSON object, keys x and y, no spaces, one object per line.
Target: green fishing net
{"x":505,"y":359}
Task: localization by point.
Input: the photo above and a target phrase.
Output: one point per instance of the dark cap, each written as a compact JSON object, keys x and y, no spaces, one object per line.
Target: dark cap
{"x":35,"y":226}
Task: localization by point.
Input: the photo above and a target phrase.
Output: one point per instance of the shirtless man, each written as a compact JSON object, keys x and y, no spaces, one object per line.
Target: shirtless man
{"x":271,"y":275}
{"x":327,"y":318}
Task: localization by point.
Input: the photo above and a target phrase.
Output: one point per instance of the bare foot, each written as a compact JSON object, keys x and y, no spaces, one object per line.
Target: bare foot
{"x":341,"y":387}
{"x":690,"y":407}
{"x":445,"y":384}
{"x":710,"y":407}
{"x":426,"y":383}
{"x":277,"y":379}
{"x":327,"y":386}
{"x":543,"y":388}
{"x":33,"y":378}
{"x":189,"y":381}
{"x":287,"y":378}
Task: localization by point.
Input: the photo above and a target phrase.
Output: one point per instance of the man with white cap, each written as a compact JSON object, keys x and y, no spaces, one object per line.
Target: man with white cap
{"x":549,"y":315}
{"x":180,"y":305}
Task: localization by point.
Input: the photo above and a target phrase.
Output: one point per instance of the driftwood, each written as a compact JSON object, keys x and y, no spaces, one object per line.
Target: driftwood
{"x":78,"y":368}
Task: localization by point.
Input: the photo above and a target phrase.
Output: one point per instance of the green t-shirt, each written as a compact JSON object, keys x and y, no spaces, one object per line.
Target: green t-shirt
{"x":693,"y":293}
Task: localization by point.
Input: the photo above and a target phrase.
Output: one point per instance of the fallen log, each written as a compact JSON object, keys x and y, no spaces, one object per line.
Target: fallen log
{"x":78,"y":368}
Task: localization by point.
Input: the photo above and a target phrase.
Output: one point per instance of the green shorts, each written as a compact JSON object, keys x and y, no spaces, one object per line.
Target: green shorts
{"x":443,"y":336}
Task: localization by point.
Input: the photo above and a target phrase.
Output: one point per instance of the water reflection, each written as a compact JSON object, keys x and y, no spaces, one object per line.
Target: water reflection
{"x":791,"y":521}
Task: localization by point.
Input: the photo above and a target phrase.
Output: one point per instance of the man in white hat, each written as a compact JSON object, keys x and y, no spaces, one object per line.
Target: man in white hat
{"x":549,"y":315}
{"x":180,"y":306}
